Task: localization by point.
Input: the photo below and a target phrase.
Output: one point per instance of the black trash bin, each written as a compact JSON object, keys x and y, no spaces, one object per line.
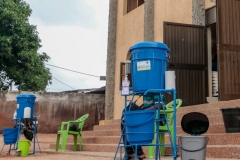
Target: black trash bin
{"x":231,"y":119}
{"x":194,"y":146}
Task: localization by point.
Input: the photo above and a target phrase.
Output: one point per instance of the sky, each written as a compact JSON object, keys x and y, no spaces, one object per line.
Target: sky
{"x":74,"y":34}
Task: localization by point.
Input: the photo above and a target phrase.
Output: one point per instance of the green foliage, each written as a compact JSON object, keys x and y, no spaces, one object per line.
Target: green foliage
{"x":19,"y":42}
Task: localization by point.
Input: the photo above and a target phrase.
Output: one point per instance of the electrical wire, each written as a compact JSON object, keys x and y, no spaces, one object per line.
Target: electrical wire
{"x":62,"y":82}
{"x":73,"y":70}
{"x":55,"y":89}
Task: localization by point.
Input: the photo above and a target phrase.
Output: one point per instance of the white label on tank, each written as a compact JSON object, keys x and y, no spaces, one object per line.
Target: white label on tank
{"x":143,"y":65}
{"x":17,"y":105}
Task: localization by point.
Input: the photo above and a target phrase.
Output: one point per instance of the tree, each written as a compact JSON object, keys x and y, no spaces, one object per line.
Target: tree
{"x":20,"y":62}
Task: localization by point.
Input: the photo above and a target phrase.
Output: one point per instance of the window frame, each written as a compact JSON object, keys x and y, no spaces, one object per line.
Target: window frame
{"x":138,"y":3}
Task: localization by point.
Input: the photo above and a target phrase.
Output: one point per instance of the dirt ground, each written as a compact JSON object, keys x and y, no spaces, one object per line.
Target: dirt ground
{"x":49,"y":154}
{"x":46,"y":156}
{"x":46,"y":153}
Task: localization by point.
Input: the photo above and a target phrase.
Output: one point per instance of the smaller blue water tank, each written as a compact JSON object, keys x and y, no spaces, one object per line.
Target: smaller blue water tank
{"x":10,"y":135}
{"x":148,"y":64}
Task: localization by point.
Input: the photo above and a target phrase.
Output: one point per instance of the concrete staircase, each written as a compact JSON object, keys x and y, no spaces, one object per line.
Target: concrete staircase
{"x":105,"y":136}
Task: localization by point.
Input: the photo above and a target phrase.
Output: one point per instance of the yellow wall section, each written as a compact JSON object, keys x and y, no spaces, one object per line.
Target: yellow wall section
{"x":209,"y":4}
{"x":130,"y":30}
{"x":179,"y":11}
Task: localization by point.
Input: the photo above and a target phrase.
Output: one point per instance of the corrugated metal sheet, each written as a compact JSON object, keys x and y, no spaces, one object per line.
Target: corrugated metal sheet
{"x":186,"y":44}
{"x":229,"y":48}
{"x":188,"y":59}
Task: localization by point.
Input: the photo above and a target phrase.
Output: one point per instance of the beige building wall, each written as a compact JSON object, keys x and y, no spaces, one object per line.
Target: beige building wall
{"x":171,"y":11}
{"x":130,"y":30}
{"x":209,"y":3}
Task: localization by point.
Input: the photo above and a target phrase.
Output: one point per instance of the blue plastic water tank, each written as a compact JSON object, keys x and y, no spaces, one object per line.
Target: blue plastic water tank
{"x":25,"y":100}
{"x":148,"y":64}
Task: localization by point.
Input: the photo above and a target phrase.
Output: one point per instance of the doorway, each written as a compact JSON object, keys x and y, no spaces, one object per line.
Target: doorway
{"x":212,"y":62}
{"x":188,"y":58}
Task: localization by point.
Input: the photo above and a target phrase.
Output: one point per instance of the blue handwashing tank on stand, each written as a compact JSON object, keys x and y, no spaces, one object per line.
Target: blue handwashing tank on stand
{"x":148,"y":65}
{"x":25,"y":103}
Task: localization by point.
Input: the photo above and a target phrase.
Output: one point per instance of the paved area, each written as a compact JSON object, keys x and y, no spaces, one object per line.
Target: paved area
{"x":50,"y":154}
{"x":84,"y":155}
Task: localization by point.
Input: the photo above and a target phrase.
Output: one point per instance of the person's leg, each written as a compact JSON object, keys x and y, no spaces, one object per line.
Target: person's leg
{"x":139,"y":150}
{"x":129,"y":149}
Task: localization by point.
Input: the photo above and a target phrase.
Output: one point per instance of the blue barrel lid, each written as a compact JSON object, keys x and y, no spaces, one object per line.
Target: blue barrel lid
{"x":149,"y":44}
{"x":26,"y":96}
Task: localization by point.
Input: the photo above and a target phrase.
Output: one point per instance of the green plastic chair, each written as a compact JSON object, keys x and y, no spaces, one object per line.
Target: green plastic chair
{"x":169,"y":113}
{"x":65,"y":132}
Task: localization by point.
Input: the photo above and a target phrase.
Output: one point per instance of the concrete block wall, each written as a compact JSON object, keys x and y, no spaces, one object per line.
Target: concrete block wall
{"x":53,"y":108}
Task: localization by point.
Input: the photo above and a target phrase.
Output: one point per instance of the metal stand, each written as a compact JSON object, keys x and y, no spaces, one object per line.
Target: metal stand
{"x":20,"y":125}
{"x":123,"y":144}
{"x":8,"y":150}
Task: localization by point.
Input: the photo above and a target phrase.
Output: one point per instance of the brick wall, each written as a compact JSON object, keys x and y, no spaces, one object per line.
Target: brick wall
{"x":53,"y":108}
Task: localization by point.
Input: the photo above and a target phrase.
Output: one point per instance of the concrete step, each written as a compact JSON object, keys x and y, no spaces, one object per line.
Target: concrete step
{"x":223,"y":138}
{"x":108,"y":122}
{"x":214,"y":116}
{"x":220,"y":145}
{"x":106,"y":135}
{"x":107,"y":127}
{"x":212,"y":120}
{"x":116,"y":121}
{"x":110,"y":155}
{"x":95,"y":147}
{"x":214,"y":139}
{"x":90,"y":147}
{"x":207,"y":112}
{"x":206,"y":106}
{"x":101,"y":140}
{"x":216,"y":119}
{"x":115,"y":132}
{"x":213,"y":151}
{"x":214,"y":128}
{"x":217,"y":151}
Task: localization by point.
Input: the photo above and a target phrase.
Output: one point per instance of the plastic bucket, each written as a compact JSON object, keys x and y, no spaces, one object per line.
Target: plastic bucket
{"x":10,"y":135}
{"x":193,"y":147}
{"x":139,"y":126}
{"x":23,"y":101}
{"x":148,"y":65}
{"x":24,"y":145}
{"x":231,"y":119}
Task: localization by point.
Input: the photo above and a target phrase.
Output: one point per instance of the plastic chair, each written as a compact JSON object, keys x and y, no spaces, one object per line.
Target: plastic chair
{"x":67,"y":131}
{"x":170,"y":121}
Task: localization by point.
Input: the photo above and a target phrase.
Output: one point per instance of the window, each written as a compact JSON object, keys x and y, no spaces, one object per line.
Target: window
{"x":132,"y":4}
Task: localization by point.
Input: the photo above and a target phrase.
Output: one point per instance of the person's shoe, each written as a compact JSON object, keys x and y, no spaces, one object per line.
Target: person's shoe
{"x":130,"y":156}
{"x":141,"y":157}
